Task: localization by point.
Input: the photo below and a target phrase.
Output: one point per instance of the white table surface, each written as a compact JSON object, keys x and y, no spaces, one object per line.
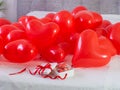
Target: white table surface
{"x":102,"y":78}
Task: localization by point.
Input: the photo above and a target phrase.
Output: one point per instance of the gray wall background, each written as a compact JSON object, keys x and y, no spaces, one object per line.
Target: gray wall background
{"x":101,"y":6}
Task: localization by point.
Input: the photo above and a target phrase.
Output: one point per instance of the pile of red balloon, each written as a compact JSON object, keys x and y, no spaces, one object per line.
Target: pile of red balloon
{"x":82,"y":33}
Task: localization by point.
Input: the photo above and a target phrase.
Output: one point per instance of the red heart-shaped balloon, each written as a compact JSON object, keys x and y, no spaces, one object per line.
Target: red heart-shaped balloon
{"x":86,"y":19}
{"x":41,"y":35}
{"x":25,"y":19}
{"x":90,"y":52}
{"x":114,"y":36}
{"x":65,"y":21}
{"x":107,"y":45}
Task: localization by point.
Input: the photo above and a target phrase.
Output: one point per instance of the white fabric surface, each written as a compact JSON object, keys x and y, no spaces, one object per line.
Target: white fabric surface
{"x":102,"y":78}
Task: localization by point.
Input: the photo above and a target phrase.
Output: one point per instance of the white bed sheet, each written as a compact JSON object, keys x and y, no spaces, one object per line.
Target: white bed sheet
{"x":102,"y":78}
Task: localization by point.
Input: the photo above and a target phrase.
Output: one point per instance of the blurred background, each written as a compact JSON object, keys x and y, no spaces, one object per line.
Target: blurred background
{"x":17,"y":8}
{"x":101,"y":6}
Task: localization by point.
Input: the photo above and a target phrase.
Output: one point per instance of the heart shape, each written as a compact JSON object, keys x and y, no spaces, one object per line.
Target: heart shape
{"x":107,"y":45}
{"x":41,"y":35}
{"x":114,"y":36}
{"x":90,"y":51}
{"x":65,"y":21}
{"x":86,"y":19}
